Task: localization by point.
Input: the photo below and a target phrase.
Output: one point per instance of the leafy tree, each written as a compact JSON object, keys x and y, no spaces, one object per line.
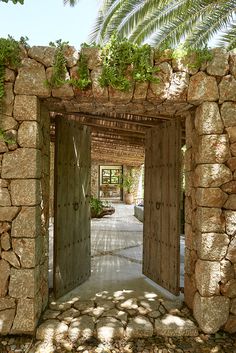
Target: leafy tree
{"x":70,"y":2}
{"x":14,"y":1}
{"x":168,"y":22}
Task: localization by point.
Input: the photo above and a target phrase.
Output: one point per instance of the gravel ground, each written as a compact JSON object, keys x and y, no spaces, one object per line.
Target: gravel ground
{"x":218,"y":343}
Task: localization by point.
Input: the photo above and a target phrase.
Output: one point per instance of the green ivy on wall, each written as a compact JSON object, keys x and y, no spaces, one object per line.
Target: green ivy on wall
{"x":10,"y":50}
{"x":124,"y":62}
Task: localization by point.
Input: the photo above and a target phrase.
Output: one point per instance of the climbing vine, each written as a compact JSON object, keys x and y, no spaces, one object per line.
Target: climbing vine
{"x":123,"y":62}
{"x":83,"y":81}
{"x":9,"y":56}
{"x":58,"y":77}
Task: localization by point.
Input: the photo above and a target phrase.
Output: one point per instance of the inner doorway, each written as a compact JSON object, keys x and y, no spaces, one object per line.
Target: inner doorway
{"x":175,"y":226}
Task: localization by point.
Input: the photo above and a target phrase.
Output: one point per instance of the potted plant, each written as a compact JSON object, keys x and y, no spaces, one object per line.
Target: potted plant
{"x":128,"y":186}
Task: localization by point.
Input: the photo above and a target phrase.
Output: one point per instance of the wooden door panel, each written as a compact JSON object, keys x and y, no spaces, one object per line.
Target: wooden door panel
{"x":161,"y":254}
{"x":72,"y":212}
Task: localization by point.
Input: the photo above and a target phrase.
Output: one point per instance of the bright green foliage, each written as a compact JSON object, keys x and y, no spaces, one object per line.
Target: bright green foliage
{"x":168,"y":22}
{"x":200,"y":55}
{"x":14,"y":1}
{"x":96,"y":205}
{"x":59,"y":65}
{"x":9,"y":55}
{"x":4,"y":137}
{"x":83,"y":81}
{"x":124,"y":61}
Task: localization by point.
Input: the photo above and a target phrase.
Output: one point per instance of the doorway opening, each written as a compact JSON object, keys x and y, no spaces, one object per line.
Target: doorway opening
{"x":108,"y":241}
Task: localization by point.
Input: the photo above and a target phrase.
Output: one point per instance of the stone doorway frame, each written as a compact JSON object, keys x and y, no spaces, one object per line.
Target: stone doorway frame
{"x":204,"y":96}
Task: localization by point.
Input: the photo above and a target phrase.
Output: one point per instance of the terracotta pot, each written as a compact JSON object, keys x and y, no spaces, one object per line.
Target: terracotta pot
{"x":129,"y":199}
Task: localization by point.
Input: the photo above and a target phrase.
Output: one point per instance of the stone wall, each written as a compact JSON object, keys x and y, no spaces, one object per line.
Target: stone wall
{"x":24,"y":202}
{"x":210,"y":204}
{"x":206,"y":95}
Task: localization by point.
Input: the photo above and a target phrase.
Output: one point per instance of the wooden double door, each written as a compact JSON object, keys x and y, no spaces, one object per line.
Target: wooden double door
{"x":72,"y":254}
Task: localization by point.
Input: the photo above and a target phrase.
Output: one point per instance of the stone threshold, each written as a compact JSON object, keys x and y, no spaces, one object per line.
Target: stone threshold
{"x":115,"y":319}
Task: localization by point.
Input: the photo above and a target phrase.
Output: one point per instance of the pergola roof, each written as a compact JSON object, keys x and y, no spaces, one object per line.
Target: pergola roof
{"x":119,"y":138}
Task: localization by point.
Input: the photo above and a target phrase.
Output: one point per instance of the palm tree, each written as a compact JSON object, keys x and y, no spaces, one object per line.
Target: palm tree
{"x":70,"y":2}
{"x":168,"y":22}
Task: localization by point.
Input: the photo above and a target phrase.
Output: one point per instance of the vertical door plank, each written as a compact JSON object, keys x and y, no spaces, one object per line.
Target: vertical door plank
{"x":72,"y":190}
{"x":162,"y":208}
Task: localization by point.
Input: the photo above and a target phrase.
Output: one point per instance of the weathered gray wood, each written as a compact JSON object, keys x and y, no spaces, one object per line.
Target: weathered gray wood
{"x":72,"y":211}
{"x":161,"y":254}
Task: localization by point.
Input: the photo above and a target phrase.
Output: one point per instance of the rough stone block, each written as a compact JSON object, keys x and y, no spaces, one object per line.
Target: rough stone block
{"x":227,"y":89}
{"x":226,"y":271}
{"x":28,"y":223}
{"x":9,"y":75}
{"x":233,"y":306}
{"x":8,"y":99}
{"x":211,"y":175}
{"x":210,"y":197}
{"x":173,"y":326}
{"x":11,"y":257}
{"x":231,"y":163}
{"x":228,"y":113}
{"x":159,"y":91}
{"x":213,"y":149}
{"x":231,"y":202}
{"x":6,"y":319}
{"x":44,"y":55}
{"x":22,"y":163}
{"x":190,"y":259}
{"x":233,"y":149}
{"x":229,"y":187}
{"x":202,"y":88}
{"x":29,"y":134}
{"x":22,"y":283}
{"x":26,"y":108}
{"x":100,"y":93}
{"x":189,"y":289}
{"x":26,"y":192}
{"x":231,"y":254}
{"x":109,"y":328}
{"x":218,"y":65}
{"x":210,"y":220}
{"x":24,"y":321}
{"x":211,"y":313}
{"x":212,"y":246}
{"x":230,"y":219}
{"x":229,"y":289}
{"x":31,"y":79}
{"x":230,"y":325}
{"x":7,"y":303}
{"x":185,"y":63}
{"x":232,"y":133}
{"x":7,"y":122}
{"x":208,"y":120}
{"x":139,"y":327}
{"x":4,"y":277}
{"x":5,"y":197}
{"x":207,"y":276}
{"x":178,"y":87}
{"x":8,"y":213}
{"x":5,"y":241}
{"x":28,"y":250}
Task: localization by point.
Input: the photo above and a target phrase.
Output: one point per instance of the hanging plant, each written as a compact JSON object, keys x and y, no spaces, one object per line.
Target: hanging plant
{"x":120,"y":59}
{"x":9,"y":56}
{"x":84,"y":81}
{"x":59,"y":69}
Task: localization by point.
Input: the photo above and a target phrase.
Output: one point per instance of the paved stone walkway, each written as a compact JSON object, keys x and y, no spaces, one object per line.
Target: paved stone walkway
{"x":118,"y":310}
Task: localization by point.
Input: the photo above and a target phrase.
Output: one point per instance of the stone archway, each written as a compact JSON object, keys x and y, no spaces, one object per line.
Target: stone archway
{"x":205,"y":97}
